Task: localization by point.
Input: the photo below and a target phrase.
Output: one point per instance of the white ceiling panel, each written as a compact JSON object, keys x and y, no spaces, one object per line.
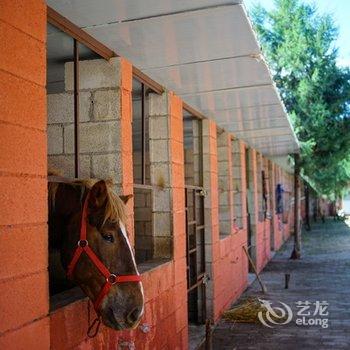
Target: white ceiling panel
{"x":203,"y":50}
{"x":233,"y":98}
{"x":212,"y":75}
{"x":86,"y":13}
{"x":180,"y":38}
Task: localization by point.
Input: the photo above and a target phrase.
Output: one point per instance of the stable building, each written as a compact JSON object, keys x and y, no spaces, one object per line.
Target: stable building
{"x":174,"y":102}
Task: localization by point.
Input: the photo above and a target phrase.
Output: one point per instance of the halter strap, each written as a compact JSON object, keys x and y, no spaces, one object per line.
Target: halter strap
{"x":83,"y":246}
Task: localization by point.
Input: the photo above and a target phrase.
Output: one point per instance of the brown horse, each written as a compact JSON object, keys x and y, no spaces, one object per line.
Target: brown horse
{"x":123,"y":305}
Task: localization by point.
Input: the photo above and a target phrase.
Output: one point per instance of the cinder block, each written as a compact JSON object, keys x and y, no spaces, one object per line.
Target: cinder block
{"x":161,"y":200}
{"x":107,"y":166}
{"x":162,"y":224}
{"x":160,"y":174}
{"x":21,"y":303}
{"x":159,"y":104}
{"x":29,"y":17}
{"x":22,"y":150}
{"x":159,"y":127}
{"x":162,"y":247}
{"x":106,"y":104}
{"x":23,"y":200}
{"x":35,"y":335}
{"x":94,"y":137}
{"x":224,"y":198}
{"x":32,"y":238}
{"x":22,"y":55}
{"x":223,"y":168}
{"x":60,"y":107}
{"x":29,"y":99}
{"x":94,"y":74}
{"x":65,"y":165}
{"x":54,"y":139}
{"x":236,"y":172}
{"x":223,"y":154}
{"x":159,"y":151}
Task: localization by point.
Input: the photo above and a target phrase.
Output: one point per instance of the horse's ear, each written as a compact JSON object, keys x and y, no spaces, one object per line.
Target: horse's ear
{"x":98,"y":195}
{"x":126,"y":198}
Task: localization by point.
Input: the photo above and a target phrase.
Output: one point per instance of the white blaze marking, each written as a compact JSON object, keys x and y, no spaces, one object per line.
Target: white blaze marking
{"x":123,"y":229}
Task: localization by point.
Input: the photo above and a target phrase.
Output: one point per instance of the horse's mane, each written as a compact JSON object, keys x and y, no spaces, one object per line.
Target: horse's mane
{"x":115,"y":207}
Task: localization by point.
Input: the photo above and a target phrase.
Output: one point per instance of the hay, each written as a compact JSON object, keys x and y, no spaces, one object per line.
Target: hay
{"x":247,"y":312}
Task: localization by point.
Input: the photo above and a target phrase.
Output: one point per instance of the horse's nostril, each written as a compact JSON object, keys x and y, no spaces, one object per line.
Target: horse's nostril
{"x":134,"y":315}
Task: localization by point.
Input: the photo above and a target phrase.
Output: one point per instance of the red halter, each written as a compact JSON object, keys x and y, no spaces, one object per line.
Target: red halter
{"x":83,"y":246}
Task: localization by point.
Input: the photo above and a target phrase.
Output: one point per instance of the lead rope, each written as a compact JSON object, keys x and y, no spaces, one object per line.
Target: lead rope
{"x":91,"y":333}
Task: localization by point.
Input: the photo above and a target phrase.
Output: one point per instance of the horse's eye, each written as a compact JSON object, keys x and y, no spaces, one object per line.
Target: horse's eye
{"x":109,"y":238}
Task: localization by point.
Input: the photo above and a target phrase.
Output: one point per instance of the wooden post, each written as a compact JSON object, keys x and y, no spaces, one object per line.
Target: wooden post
{"x":297,"y":233}
{"x":307,"y":207}
{"x":208,"y":335}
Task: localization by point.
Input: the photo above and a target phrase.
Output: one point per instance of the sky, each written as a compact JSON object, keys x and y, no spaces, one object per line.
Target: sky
{"x":339,"y":9}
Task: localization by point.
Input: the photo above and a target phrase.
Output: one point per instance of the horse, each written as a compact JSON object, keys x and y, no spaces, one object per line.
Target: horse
{"x":86,"y":223}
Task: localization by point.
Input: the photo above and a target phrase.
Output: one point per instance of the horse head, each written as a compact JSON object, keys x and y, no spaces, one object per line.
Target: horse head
{"x":121,"y":305}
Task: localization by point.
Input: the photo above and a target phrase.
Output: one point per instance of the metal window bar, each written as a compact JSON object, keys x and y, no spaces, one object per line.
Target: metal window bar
{"x":195,"y":236}
{"x":76,"y":109}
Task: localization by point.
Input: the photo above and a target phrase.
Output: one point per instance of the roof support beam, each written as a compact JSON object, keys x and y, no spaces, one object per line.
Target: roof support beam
{"x":62,"y":23}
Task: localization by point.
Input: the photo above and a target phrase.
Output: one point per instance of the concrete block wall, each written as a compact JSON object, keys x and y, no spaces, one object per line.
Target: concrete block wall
{"x":24,"y":300}
{"x":192,"y":155}
{"x":253,"y":204}
{"x":238,"y":182}
{"x":211,"y":213}
{"x":160,"y":170}
{"x":225,"y":186}
{"x":165,"y":284}
{"x":144,"y":238}
{"x":225,"y":258}
{"x":100,"y":119}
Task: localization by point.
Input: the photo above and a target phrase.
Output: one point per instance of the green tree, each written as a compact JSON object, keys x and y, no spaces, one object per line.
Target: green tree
{"x":299,"y":44}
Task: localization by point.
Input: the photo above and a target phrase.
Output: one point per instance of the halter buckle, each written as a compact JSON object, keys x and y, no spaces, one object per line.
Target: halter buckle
{"x":112,"y":279}
{"x":82,"y":243}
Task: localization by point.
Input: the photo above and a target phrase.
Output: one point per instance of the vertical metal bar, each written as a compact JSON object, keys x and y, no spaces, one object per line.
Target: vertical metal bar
{"x":187,"y":241}
{"x":195,"y":253}
{"x":143,"y":136}
{"x":200,"y":156}
{"x":76,"y":109}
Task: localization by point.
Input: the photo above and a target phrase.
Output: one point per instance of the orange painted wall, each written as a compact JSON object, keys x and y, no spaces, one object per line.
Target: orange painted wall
{"x":23,"y":199}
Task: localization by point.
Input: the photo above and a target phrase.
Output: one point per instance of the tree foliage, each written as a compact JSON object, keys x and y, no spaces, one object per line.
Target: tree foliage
{"x":299,"y":44}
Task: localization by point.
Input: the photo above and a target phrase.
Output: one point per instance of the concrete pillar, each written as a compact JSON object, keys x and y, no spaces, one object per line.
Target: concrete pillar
{"x":239,"y":183}
{"x":252,"y":196}
{"x":167,"y":169}
{"x":225,"y":185}
{"x":211,"y":210}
